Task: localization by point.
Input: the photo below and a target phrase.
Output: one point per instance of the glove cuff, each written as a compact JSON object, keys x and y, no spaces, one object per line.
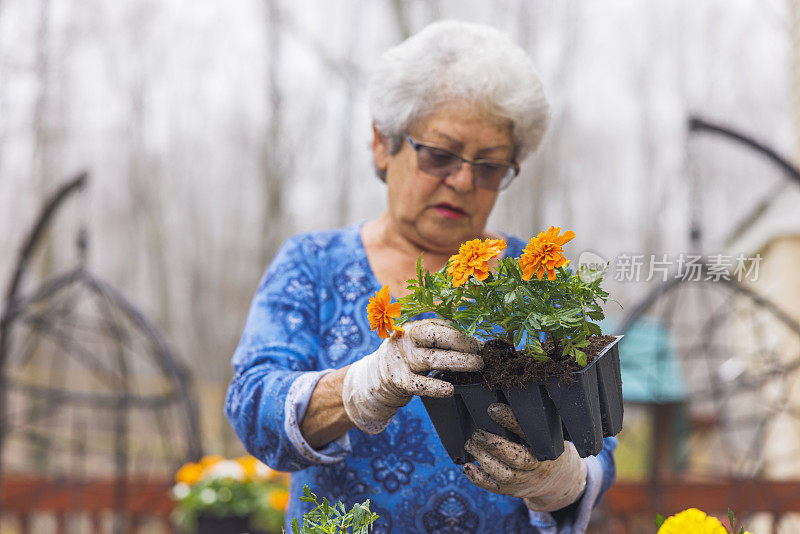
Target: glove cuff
{"x":566,"y":493}
{"x":361,"y":397}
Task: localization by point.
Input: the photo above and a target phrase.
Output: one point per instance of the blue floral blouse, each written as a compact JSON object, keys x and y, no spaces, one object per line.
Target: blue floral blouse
{"x":309,"y":317}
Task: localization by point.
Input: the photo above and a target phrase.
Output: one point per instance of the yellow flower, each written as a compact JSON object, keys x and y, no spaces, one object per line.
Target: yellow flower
{"x":248,"y":463}
{"x":189,"y":473}
{"x":473,"y":260}
{"x":543,"y":254}
{"x":692,"y":521}
{"x":279,"y":499}
{"x":382,"y":314}
{"x":256,"y":470}
{"x":210,"y":460}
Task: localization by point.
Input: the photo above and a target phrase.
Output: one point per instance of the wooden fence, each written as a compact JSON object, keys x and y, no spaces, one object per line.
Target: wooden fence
{"x":24,"y":497}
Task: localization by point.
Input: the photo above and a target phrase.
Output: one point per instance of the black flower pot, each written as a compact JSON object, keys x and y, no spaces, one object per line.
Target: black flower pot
{"x":583,"y":412}
{"x":226,"y":524}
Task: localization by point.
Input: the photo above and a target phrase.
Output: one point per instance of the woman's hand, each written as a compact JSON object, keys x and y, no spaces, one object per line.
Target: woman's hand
{"x":379,"y":384}
{"x":509,"y":468}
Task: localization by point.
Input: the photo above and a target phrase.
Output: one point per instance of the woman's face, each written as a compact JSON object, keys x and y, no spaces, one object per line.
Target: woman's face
{"x":439,"y":214}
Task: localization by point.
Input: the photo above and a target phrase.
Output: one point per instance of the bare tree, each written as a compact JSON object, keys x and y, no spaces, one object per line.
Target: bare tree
{"x":653,"y":200}
{"x":547,"y":173}
{"x":794,"y":51}
{"x":145,"y":208}
{"x":352,"y":77}
{"x":401,"y":16}
{"x":275,"y":157}
{"x":3,"y":85}
{"x":42,"y":164}
{"x":345,"y":164}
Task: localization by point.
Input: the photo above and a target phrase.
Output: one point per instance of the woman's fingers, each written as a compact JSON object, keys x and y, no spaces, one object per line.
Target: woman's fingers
{"x":436,"y":333}
{"x":512,"y":454}
{"x":414,"y":384}
{"x":480,"y":478}
{"x":493,"y":466}
{"x":503,"y":416}
{"x":426,"y":359}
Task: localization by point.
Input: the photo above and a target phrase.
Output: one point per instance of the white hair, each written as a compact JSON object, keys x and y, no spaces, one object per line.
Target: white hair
{"x":454,"y":60}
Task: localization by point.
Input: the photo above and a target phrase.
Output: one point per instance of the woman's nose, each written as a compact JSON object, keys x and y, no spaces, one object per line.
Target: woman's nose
{"x":461,"y":180}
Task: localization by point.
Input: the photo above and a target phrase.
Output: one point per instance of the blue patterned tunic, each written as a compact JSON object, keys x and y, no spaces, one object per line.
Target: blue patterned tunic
{"x":309,"y":317}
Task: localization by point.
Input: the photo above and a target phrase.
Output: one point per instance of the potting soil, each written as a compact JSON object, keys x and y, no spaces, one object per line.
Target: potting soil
{"x":506,"y":367}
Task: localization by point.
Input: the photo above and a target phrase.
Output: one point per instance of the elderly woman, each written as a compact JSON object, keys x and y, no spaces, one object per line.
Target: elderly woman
{"x":454,"y":109}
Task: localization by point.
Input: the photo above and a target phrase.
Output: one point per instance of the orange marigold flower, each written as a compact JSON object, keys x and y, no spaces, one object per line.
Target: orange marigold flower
{"x":543,"y":254}
{"x":473,"y":260}
{"x":382,"y":313}
{"x":189,"y":473}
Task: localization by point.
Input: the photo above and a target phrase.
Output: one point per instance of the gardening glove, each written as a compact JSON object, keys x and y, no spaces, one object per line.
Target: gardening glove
{"x":511,"y":469}
{"x":379,"y":384}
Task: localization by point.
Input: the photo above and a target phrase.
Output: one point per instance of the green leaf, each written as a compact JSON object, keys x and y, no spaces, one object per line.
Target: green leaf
{"x":326,"y":508}
{"x":593,"y":329}
{"x":659,"y":520}
{"x":533,"y":320}
{"x":580,"y":357}
{"x":473,"y":327}
{"x":548,"y":321}
{"x":518,"y":336}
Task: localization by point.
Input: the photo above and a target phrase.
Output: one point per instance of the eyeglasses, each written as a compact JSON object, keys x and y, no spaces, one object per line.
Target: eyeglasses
{"x":441,"y":163}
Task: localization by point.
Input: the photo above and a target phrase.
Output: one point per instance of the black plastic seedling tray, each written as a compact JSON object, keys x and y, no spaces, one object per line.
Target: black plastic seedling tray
{"x":583,"y":412}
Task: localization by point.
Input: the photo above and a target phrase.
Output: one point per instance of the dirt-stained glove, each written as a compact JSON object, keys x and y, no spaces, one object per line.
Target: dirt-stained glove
{"x":511,"y":469}
{"x":379,"y":384}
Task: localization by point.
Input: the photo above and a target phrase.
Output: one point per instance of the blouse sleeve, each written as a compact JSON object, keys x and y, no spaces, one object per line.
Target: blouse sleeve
{"x":275,"y":364}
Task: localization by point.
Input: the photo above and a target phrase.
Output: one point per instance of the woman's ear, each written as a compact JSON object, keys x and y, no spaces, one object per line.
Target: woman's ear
{"x":380,"y":152}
